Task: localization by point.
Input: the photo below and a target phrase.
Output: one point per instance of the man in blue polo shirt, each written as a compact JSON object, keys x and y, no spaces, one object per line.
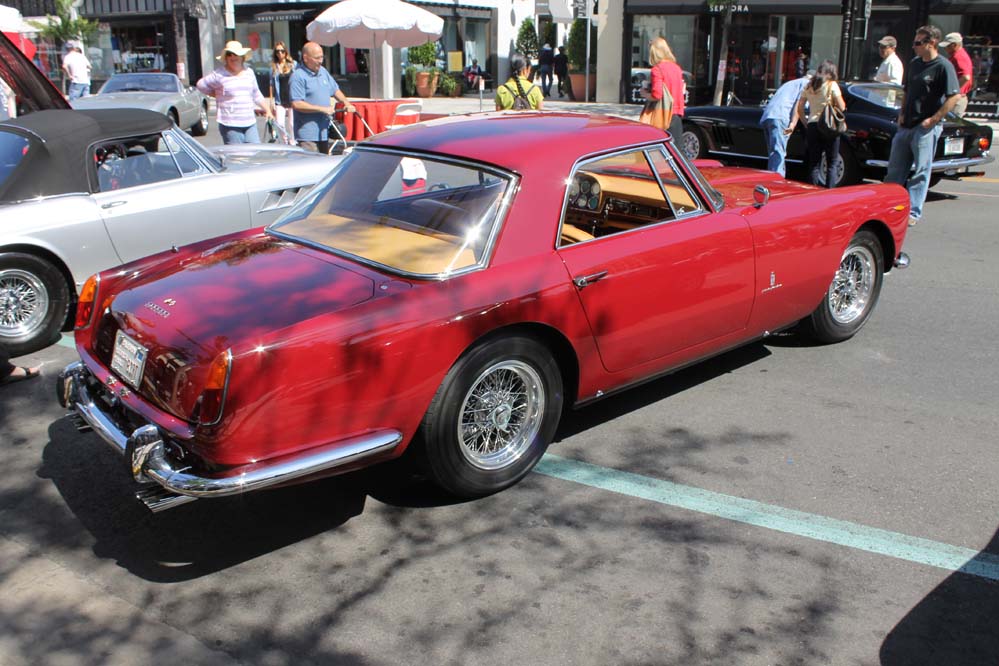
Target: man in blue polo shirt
{"x":777,"y":118}
{"x":311,"y":89}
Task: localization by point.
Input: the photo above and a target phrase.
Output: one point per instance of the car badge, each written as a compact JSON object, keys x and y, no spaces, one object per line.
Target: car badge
{"x":169,"y":301}
{"x":163,"y":312}
{"x":774,"y":284}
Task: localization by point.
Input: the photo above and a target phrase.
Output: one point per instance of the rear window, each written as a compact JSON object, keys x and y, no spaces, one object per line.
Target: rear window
{"x":13,"y":149}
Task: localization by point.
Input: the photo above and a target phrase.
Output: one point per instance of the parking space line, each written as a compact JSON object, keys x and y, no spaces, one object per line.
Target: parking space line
{"x":66,"y":340}
{"x":789,"y":521}
{"x":968,"y":194}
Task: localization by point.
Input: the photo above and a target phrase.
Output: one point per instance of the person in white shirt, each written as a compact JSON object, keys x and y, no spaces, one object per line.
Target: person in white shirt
{"x":77,"y":68}
{"x":890,"y":70}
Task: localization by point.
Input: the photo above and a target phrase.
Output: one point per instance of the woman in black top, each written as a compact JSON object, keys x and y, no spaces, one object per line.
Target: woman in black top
{"x":282,"y":65}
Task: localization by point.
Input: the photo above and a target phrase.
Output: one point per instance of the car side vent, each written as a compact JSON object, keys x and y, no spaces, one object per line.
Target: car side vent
{"x":723,"y":136}
{"x":281,"y":199}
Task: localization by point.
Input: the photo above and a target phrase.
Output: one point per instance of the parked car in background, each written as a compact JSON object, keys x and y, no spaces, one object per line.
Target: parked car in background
{"x":733,"y":134}
{"x":161,"y":92}
{"x":459,"y":316}
{"x":81,"y":191}
{"x":640,"y":79}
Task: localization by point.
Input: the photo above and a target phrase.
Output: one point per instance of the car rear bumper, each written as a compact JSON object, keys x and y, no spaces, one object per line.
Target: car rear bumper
{"x":165,"y":483}
{"x":944,"y":166}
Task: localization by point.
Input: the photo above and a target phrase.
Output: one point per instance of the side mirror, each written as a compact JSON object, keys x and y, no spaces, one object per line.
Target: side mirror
{"x":761,"y":196}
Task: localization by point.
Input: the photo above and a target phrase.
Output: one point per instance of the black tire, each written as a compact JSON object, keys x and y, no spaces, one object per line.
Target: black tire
{"x":847,"y":169}
{"x":853,"y":292}
{"x":692,"y":143}
{"x":34,"y":303}
{"x":200,"y":128}
{"x":481,"y":383}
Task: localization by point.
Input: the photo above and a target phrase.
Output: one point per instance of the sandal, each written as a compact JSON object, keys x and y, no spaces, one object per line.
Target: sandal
{"x":29,"y":373}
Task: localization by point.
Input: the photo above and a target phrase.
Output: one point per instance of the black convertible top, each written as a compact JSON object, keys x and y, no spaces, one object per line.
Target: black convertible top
{"x":58,"y":160}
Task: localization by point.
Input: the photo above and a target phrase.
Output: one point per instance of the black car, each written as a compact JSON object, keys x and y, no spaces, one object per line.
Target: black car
{"x":733,"y":134}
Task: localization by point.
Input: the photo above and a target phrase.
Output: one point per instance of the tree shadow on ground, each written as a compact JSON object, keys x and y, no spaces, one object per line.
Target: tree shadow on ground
{"x":955,"y":624}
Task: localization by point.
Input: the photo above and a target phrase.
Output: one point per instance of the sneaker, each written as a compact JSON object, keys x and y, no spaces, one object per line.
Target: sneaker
{"x":913,"y":221}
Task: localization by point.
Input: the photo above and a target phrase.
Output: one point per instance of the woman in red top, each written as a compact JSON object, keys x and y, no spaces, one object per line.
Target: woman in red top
{"x":666,"y":72}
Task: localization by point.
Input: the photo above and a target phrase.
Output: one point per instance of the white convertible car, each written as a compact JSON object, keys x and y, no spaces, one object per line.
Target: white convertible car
{"x":82,"y":191}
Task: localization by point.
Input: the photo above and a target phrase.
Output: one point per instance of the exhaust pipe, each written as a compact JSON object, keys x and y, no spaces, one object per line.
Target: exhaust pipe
{"x":157,"y":498}
{"x":902,"y":260}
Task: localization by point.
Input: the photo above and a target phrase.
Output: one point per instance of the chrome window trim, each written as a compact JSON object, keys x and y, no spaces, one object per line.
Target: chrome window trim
{"x":643,"y":147}
{"x":212,"y":163}
{"x":683,"y":181}
{"x":513,"y":186}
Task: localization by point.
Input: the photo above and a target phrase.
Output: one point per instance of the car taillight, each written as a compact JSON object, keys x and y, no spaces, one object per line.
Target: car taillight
{"x":984,"y":143}
{"x":216,"y":387}
{"x":85,"y":304}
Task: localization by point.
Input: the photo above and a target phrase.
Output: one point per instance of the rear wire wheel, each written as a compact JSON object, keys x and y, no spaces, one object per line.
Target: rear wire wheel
{"x":492,"y":417}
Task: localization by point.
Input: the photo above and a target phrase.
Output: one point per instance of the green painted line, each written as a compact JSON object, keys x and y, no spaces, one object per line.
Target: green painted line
{"x":789,"y":521}
{"x":66,"y":340}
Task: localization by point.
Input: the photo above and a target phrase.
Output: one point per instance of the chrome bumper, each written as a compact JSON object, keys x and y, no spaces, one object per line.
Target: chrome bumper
{"x":166,"y":486}
{"x":945,"y":165}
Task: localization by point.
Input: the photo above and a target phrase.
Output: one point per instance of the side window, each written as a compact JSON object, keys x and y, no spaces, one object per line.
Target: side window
{"x":133,"y":162}
{"x":188,"y":164}
{"x":13,"y":149}
{"x":613,"y":194}
{"x":678,"y":192}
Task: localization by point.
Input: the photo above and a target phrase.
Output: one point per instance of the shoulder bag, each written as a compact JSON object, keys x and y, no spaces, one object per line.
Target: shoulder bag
{"x":658,"y":112}
{"x":832,"y":121}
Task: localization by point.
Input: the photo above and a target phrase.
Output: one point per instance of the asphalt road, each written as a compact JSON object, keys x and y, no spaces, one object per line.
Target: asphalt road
{"x":868,"y":463}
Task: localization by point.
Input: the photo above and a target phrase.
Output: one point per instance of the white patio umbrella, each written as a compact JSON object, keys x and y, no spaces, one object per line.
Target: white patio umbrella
{"x":377,"y":25}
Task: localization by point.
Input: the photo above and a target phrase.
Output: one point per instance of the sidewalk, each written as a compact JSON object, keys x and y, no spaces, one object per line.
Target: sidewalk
{"x":470,"y":104}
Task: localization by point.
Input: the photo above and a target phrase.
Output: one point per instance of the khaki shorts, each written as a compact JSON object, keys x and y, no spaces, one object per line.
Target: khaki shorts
{"x":961,"y":106}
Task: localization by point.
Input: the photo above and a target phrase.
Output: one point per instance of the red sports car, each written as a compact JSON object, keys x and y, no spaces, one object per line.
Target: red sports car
{"x":453,"y":286}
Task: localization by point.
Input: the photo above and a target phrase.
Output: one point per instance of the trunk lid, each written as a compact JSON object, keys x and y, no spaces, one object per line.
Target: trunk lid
{"x":232,"y":295}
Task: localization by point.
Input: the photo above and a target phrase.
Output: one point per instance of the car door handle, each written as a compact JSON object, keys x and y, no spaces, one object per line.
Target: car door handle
{"x":584,"y":281}
{"x":113,"y":204}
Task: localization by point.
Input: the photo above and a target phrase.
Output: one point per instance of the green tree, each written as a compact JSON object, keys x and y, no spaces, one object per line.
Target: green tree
{"x":527,"y":39}
{"x":63,"y":27}
{"x":575,"y":46}
{"x":551,"y":35}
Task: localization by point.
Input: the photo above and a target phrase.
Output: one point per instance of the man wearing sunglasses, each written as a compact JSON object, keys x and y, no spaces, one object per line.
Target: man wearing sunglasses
{"x":931,"y":91}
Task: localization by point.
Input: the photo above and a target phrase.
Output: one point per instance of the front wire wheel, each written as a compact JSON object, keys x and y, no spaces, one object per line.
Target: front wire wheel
{"x":853,"y":292}
{"x":492,"y":417}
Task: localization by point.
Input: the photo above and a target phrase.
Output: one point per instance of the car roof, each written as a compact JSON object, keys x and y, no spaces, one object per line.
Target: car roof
{"x":57,"y":162}
{"x":519,"y":140}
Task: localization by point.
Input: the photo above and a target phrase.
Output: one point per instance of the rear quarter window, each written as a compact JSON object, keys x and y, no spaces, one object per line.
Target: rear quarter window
{"x":13,"y":150}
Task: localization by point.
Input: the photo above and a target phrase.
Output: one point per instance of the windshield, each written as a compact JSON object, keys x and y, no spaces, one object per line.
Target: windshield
{"x":411,"y":214}
{"x":195,"y":147}
{"x":140,"y":82}
{"x":886,"y":95}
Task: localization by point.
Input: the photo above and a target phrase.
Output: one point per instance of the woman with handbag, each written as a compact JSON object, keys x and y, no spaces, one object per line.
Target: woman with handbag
{"x":824,"y":123}
{"x":664,"y":98}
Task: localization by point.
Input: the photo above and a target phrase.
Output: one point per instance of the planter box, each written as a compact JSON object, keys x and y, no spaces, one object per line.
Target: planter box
{"x":577,"y":86}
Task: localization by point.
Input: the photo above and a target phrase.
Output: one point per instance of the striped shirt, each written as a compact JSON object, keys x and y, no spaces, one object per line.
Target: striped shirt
{"x":236,"y":96}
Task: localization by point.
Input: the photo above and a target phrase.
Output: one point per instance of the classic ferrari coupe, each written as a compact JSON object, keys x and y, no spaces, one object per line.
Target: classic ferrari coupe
{"x":452,"y":286}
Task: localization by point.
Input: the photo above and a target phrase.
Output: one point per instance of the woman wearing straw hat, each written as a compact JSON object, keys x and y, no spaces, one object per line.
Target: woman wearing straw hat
{"x":234,"y":87}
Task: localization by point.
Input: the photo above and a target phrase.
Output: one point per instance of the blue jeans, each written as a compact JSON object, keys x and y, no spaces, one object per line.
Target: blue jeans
{"x":546,"y":79}
{"x":78,"y":90}
{"x":912,"y":150}
{"x":239,"y":134}
{"x":773,"y":132}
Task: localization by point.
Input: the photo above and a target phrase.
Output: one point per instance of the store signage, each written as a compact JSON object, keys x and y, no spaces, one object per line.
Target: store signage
{"x":736,"y":9}
{"x":583,"y":8}
{"x":230,"y":15}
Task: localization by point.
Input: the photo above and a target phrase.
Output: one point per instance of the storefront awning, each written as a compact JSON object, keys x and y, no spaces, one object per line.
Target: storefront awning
{"x":741,"y":7}
{"x":285,"y":15}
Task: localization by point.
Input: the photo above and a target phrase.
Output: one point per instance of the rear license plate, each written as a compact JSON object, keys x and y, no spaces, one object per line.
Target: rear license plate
{"x":954,"y":145}
{"x":128,"y":359}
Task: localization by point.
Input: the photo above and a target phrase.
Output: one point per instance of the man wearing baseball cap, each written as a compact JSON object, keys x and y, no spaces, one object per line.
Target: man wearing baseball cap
{"x":953,"y":45}
{"x":77,"y":69}
{"x":890,"y":70}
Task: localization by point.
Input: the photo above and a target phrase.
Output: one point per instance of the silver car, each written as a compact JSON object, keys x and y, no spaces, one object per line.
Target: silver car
{"x":82,"y":191}
{"x":160,"y":92}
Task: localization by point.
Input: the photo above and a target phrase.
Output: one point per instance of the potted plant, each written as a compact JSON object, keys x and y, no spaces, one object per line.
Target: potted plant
{"x":449,"y":85}
{"x":576,"y":52}
{"x":426,"y":79}
{"x":410,"y":80}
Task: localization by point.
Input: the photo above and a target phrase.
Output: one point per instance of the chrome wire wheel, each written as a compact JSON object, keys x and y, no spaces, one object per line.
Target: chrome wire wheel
{"x":24,"y":303}
{"x":501,"y":414}
{"x":853,"y":286}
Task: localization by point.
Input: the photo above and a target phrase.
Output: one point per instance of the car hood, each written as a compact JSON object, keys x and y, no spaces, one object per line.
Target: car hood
{"x":232,"y":295}
{"x":34,"y":91}
{"x":736,"y":184}
{"x":118,"y":100}
{"x":245,"y":156}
